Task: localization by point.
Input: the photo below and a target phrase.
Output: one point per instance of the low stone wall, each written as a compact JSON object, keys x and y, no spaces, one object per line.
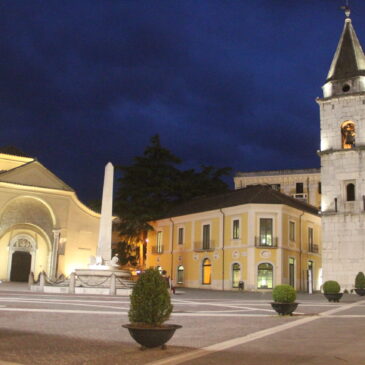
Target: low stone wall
{"x":85,"y":281}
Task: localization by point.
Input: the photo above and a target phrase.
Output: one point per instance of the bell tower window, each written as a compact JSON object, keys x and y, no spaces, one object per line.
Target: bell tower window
{"x":348,"y":135}
{"x":350,"y":192}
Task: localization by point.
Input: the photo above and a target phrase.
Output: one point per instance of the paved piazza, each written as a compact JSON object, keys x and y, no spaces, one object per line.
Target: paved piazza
{"x":218,"y":328}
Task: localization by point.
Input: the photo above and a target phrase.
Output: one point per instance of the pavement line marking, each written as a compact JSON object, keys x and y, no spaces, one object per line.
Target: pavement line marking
{"x":67,"y":303}
{"x":2,"y":362}
{"x":348,"y":316}
{"x":178,"y":359}
{"x":71,"y":311}
{"x":63,"y":300}
{"x":75,"y":311}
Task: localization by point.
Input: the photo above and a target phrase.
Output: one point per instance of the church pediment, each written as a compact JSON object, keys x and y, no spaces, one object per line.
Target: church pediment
{"x":34,"y":174}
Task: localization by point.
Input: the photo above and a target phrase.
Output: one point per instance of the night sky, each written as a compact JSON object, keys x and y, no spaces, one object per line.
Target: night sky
{"x":224,"y":83}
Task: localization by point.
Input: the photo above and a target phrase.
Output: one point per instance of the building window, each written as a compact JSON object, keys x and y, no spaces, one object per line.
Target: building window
{"x":180,"y":239}
{"x":236,"y":229}
{"x":310,"y":276}
{"x":236,"y":275}
{"x":299,"y":188}
{"x":159,"y":242}
{"x":292,"y":231}
{"x":350,"y":192}
{"x":207,"y":272}
{"x":292,"y":272}
{"x":180,"y":274}
{"x":275,"y":187}
{"x":319,"y":188}
{"x":159,"y":268}
{"x":265,"y":276}
{"x":310,"y":240}
{"x":266,"y":236}
{"x":206,"y":236}
{"x":348,"y":134}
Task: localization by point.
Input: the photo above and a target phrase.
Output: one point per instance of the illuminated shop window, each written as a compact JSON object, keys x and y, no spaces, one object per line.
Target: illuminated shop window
{"x":180,"y":274}
{"x":207,"y":272}
{"x":236,"y":275}
{"x":265,"y":276}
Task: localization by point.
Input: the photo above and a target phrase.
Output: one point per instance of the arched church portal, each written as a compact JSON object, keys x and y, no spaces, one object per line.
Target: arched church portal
{"x":22,"y":250}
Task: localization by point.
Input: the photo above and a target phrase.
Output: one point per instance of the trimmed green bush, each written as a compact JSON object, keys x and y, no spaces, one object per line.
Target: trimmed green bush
{"x":360,"y":281}
{"x":284,"y":294}
{"x":331,"y":287}
{"x":150,"y":300}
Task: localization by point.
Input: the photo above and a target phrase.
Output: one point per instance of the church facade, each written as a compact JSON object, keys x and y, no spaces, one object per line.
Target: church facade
{"x":43,"y":225}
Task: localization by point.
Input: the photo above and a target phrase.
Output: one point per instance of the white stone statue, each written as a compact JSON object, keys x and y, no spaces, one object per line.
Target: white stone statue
{"x":115,"y":260}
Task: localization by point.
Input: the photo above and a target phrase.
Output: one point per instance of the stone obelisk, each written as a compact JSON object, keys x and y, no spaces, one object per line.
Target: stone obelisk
{"x":105,"y":231}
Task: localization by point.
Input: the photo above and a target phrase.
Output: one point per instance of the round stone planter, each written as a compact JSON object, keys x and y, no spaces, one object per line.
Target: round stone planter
{"x":333,"y":297}
{"x":284,"y":309}
{"x":360,"y":292}
{"x":152,"y":337}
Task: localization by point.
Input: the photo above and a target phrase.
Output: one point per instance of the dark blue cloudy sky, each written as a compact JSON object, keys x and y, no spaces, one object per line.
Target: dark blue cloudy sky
{"x":226,"y":83}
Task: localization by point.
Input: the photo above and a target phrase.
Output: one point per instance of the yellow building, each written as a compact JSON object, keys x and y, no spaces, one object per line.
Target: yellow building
{"x":254,"y":235}
{"x":43,"y":225}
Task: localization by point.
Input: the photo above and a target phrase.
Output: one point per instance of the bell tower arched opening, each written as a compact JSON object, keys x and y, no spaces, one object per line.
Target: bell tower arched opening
{"x":348,"y":135}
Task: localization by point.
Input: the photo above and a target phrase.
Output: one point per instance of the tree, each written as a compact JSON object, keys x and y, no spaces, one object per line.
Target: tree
{"x":146,"y":189}
{"x":153,"y":184}
{"x":127,"y":253}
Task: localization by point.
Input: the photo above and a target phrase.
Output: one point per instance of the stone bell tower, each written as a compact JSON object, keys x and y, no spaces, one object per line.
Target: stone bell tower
{"x":342,"y":152}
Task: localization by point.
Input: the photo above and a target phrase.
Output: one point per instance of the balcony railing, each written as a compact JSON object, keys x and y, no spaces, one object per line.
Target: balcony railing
{"x":200,"y":246}
{"x":259,"y":242}
{"x":157,"y":250}
{"x":313,"y":248}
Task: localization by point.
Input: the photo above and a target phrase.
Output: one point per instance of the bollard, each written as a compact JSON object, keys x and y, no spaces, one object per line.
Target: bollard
{"x":42,"y":280}
{"x":30,"y":279}
{"x":71,"y":288}
{"x":113,"y":288}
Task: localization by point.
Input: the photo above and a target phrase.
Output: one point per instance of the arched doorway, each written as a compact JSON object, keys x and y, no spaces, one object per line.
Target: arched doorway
{"x":236,"y":274}
{"x":207,"y":272}
{"x":265,"y":276}
{"x":20,"y":266}
{"x":22,"y":249}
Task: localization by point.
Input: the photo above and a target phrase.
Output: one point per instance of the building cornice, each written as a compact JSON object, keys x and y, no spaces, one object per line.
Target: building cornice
{"x":338,"y":97}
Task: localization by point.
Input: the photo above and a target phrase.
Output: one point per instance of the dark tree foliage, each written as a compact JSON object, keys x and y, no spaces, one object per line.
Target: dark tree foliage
{"x":95,"y":205}
{"x":127,"y":253}
{"x":146,"y":189}
{"x":153,"y":184}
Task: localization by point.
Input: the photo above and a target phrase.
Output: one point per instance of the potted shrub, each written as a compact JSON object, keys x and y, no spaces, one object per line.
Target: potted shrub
{"x":331,"y":290}
{"x":360,"y":284}
{"x":150,"y":307}
{"x":284,"y":299}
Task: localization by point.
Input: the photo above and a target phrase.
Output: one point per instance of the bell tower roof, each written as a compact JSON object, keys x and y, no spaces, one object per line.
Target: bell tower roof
{"x":349,"y":59}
